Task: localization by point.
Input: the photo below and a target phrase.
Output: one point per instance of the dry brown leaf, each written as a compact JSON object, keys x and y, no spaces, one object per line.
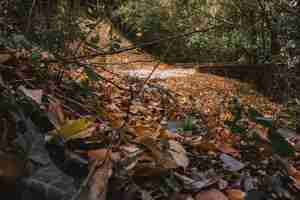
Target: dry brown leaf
{"x":294,"y":174}
{"x":212,"y":194}
{"x":143,"y":131}
{"x":4,"y":58}
{"x":181,"y":196}
{"x":11,"y":168}
{"x":162,"y":157}
{"x":168,"y":135}
{"x":179,"y":154}
{"x":145,"y":166}
{"x":138,"y":108}
{"x":147,"y":170}
{"x":99,"y":181}
{"x":102,"y":154}
{"x":204,"y":146}
{"x":235,"y":194}
{"x":116,"y":118}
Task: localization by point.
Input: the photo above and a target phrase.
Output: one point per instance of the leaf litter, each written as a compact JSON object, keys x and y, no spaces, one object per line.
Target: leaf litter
{"x":129,"y":137}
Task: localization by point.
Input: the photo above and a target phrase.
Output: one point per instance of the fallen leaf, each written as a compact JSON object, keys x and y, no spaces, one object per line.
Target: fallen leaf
{"x":146,"y":166}
{"x":212,"y":194}
{"x":115,"y":118}
{"x":75,"y":127}
{"x":235,"y":194}
{"x":4,"y":58}
{"x":204,"y":146}
{"x":99,"y":181}
{"x":294,"y":174}
{"x":102,"y":154}
{"x":143,"y":131}
{"x":35,"y":95}
{"x":178,"y":153}
{"x":161,"y":156}
{"x":181,"y":196}
{"x":230,"y":163}
{"x":168,"y":135}
{"x":11,"y":168}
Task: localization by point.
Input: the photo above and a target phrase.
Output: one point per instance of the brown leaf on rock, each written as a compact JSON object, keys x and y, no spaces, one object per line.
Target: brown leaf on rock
{"x":212,"y":194}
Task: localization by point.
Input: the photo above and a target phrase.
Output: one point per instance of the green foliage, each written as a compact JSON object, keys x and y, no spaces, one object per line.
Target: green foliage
{"x":35,"y":56}
{"x":188,"y":124}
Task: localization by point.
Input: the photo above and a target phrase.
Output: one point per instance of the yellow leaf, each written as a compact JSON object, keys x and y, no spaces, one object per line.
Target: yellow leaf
{"x":74,"y":127}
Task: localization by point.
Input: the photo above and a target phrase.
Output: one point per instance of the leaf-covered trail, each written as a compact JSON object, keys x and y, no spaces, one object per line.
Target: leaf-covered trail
{"x":206,"y":92}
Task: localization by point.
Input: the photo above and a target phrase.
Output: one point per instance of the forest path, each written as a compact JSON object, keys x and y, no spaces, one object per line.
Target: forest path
{"x":201,"y":91}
